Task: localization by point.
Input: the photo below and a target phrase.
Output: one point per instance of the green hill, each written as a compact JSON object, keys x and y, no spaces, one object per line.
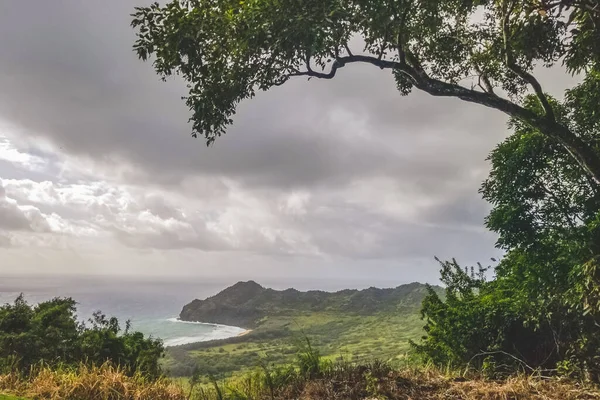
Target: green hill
{"x":247,"y":304}
{"x":355,"y":324}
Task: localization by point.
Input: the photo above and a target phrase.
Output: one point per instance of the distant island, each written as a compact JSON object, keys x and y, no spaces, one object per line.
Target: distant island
{"x":247,"y":304}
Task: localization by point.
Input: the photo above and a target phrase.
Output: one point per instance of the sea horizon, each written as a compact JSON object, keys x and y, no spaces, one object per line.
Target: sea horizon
{"x":151,"y":304}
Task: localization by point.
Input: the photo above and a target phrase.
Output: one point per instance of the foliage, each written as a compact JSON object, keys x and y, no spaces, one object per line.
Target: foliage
{"x":49,"y":333}
{"x":483,"y":325}
{"x":309,"y":360}
{"x":540,"y":310}
{"x":227,"y":50}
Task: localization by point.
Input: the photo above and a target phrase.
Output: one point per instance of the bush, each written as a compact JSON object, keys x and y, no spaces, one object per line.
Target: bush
{"x":49,"y":333}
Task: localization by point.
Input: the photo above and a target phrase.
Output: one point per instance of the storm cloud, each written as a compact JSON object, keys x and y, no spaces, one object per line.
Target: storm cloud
{"x":347,"y":173}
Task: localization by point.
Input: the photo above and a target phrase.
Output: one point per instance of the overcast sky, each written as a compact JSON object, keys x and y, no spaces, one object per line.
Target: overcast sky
{"x":319,"y":179}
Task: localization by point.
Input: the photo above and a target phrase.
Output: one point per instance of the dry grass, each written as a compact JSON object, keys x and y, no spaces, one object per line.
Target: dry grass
{"x":105,"y":382}
{"x":411,"y":386}
{"x":375,"y":381}
{"x":520,"y":388}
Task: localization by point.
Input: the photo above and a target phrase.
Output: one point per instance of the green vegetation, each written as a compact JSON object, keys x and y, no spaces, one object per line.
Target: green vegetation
{"x":248,"y":304}
{"x":8,"y":397}
{"x":49,"y":333}
{"x":541,"y":310}
{"x":350,"y":324}
{"x":384,"y":337}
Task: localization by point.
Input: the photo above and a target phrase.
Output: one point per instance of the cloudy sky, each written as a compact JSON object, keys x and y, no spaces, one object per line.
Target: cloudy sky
{"x":99,"y":175}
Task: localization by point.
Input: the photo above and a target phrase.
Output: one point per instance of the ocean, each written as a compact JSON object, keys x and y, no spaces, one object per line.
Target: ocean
{"x":151,"y":304}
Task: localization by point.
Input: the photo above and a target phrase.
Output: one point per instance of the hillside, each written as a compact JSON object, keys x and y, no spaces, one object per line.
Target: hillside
{"x":357,"y":324}
{"x":247,"y":304}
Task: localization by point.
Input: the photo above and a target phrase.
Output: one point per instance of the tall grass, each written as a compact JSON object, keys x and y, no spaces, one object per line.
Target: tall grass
{"x":310,"y":378}
{"x":105,"y":382}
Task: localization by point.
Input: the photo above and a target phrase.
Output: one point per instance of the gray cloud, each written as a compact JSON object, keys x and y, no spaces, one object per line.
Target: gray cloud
{"x":78,"y":82}
{"x":15,"y":218}
{"x":342,"y":168}
{"x":4,"y":240}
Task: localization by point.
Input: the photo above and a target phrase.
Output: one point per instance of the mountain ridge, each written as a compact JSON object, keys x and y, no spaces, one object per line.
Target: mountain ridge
{"x":246,"y":303}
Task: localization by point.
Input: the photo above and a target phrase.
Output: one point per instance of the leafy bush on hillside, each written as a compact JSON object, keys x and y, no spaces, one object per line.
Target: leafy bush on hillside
{"x":50,"y":333}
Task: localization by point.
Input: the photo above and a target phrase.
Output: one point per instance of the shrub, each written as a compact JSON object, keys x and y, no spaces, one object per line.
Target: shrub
{"x":49,"y":332}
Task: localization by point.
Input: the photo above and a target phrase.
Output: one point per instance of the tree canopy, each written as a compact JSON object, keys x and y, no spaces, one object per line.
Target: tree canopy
{"x":481,"y":51}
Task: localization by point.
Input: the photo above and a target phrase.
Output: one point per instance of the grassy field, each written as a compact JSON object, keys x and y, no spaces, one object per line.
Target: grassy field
{"x":276,"y":340}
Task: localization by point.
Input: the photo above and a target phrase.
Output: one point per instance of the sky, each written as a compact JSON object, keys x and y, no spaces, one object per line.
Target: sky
{"x":320,"y":179}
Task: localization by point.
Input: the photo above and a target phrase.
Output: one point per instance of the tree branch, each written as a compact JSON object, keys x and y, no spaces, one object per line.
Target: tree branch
{"x":384,"y":43}
{"x":422,"y":81}
{"x":348,"y":49}
{"x":487,"y":85}
{"x":401,"y":53}
{"x":493,"y":353}
{"x":400,"y":37}
{"x":514,"y":67}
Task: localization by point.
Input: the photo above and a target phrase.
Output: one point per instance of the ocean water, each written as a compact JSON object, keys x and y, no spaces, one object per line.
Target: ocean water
{"x":152,"y":306}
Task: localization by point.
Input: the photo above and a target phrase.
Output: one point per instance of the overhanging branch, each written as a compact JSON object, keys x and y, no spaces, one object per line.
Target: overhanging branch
{"x":422,"y":81}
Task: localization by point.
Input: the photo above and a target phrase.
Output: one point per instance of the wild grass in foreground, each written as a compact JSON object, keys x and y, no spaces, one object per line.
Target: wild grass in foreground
{"x":82,"y":383}
{"x":312,"y":378}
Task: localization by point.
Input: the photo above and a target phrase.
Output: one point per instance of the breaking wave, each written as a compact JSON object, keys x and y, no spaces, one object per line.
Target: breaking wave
{"x":208,"y":332}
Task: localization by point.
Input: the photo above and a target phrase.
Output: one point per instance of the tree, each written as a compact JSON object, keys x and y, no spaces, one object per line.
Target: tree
{"x":49,"y":332}
{"x":104,"y":340}
{"x":482,"y":324}
{"x":542,"y":307}
{"x":228,"y":49}
{"x":55,"y":325}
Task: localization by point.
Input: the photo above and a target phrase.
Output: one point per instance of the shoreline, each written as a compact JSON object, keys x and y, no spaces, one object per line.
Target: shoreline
{"x":219,"y":332}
